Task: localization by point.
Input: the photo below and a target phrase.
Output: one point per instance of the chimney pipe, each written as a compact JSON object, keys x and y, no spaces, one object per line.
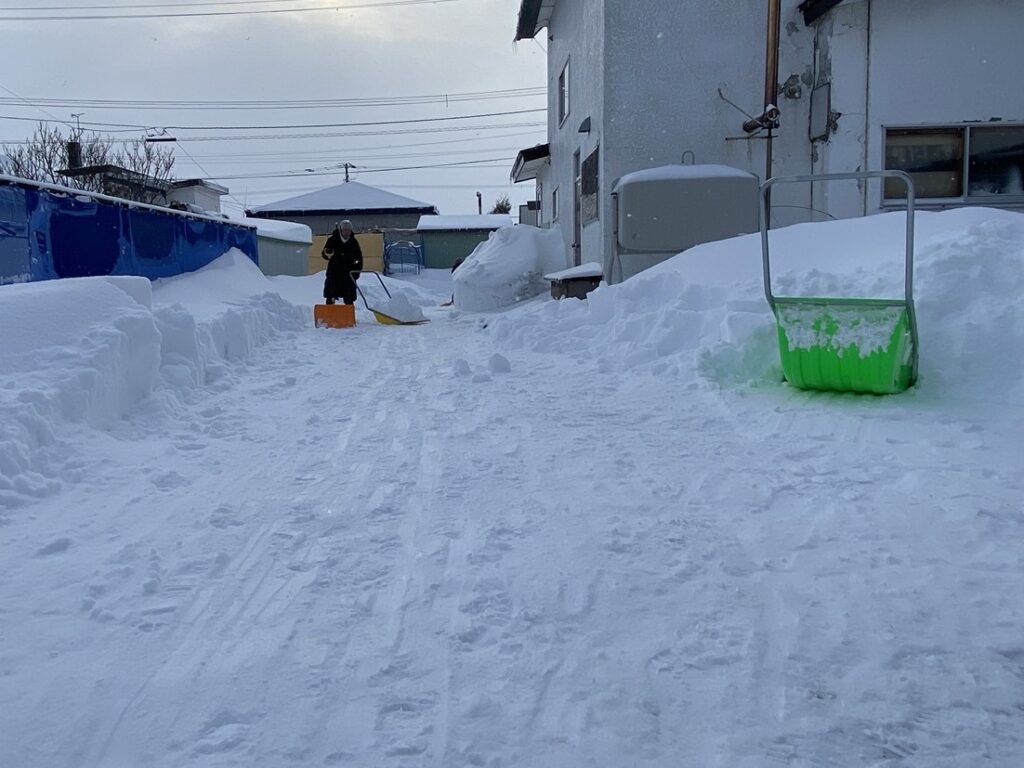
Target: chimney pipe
{"x":74,"y":154}
{"x":771,"y":59}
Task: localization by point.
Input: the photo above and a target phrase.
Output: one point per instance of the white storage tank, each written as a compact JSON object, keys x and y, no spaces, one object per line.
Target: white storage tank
{"x":661,"y":211}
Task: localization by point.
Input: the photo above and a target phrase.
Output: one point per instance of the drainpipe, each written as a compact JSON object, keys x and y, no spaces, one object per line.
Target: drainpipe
{"x":771,"y":77}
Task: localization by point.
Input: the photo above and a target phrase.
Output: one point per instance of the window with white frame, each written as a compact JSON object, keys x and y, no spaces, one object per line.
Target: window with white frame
{"x":958,"y":163}
{"x":563,"y":94}
{"x":554,"y":204}
{"x":540,"y":204}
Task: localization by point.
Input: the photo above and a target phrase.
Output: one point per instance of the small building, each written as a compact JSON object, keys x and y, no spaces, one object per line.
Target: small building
{"x":283,"y":246}
{"x":446,"y":239}
{"x":200,"y":194}
{"x":376,"y":215}
{"x":193,"y":195}
{"x":368,"y":208}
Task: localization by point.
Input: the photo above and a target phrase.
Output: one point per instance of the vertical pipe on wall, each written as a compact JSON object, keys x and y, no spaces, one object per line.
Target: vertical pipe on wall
{"x":771,"y":78}
{"x":867,"y":108}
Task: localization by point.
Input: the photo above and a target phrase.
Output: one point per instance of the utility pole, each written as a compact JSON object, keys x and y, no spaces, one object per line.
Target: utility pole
{"x":479,"y":203}
{"x":347,"y":166}
{"x":78,"y":120}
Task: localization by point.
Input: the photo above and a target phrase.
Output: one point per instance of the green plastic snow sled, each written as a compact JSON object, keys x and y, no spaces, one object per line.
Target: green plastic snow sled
{"x":846,"y":344}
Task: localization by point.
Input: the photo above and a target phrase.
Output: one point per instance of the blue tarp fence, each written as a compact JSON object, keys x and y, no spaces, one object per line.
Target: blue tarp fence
{"x":48,"y":232}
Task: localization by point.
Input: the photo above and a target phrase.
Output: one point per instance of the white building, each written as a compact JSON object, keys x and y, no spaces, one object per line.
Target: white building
{"x":928,"y":86}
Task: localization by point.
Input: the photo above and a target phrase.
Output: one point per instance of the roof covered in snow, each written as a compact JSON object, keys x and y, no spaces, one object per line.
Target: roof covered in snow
{"x":464,"y":223}
{"x":350,"y":197}
{"x":288,"y":231}
{"x":590,"y":269}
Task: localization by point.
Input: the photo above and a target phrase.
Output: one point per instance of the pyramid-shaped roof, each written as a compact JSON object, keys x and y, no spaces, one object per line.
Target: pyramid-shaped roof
{"x":350,"y":197}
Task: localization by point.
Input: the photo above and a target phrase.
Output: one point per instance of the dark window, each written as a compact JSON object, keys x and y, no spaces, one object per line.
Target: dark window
{"x":934,"y":158}
{"x":554,"y":204}
{"x":563,"y":94}
{"x":957,"y":162}
{"x":588,"y":188}
{"x":996,"y":161}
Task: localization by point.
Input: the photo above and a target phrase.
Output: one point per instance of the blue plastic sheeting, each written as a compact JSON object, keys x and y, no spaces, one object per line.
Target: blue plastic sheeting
{"x":48,"y":233}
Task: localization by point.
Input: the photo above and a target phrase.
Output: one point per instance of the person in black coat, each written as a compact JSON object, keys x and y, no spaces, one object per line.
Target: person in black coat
{"x":344,"y":257}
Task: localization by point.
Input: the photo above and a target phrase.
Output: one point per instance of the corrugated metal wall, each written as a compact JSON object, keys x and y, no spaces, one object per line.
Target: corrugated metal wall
{"x":441,"y":249}
{"x":49,"y":232}
{"x":282,"y":257}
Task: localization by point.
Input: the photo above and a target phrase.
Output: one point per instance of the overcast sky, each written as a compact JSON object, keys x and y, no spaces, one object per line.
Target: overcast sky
{"x":386,"y":53}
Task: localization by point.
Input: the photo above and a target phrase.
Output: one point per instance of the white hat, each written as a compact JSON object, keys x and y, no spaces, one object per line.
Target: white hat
{"x":346,"y":224}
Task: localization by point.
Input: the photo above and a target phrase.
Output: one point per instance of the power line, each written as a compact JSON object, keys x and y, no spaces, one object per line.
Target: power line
{"x":136,"y":126}
{"x":194,"y":14}
{"x":344,"y":134}
{"x":132,"y":6}
{"x":309,"y":188}
{"x":404,"y":145}
{"x":34,"y":106}
{"x":462,"y":165}
{"x":276,"y":104}
{"x":328,"y":159}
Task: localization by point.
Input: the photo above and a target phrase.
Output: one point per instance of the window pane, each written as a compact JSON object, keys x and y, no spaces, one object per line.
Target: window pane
{"x":563,"y":93}
{"x":933,"y":158}
{"x":588,"y":188}
{"x":996,"y":161}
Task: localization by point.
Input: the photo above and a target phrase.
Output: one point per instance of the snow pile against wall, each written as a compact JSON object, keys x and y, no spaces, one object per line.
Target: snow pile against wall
{"x":87,"y":350}
{"x":702,"y":315}
{"x":71,"y":351}
{"x":508,"y":268}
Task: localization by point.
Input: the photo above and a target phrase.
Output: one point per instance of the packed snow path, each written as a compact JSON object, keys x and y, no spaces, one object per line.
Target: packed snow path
{"x":368,"y":548}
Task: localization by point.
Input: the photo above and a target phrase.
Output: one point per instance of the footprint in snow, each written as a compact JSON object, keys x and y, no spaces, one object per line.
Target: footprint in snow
{"x":499,"y":364}
{"x":461,"y":367}
{"x":55,"y":547}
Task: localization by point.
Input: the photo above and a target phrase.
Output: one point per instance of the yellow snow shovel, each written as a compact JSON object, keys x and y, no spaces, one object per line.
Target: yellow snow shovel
{"x":383,"y":316}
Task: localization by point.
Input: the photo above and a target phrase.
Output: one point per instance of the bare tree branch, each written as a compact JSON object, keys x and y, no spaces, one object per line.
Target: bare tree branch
{"x":46,"y":155}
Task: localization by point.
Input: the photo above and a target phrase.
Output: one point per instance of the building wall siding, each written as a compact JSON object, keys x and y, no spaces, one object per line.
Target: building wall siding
{"x":940,"y":62}
{"x":442,"y":249}
{"x":577,"y":35}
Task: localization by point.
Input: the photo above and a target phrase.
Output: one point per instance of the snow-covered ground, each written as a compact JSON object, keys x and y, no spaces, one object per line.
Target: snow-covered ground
{"x":569,"y":533}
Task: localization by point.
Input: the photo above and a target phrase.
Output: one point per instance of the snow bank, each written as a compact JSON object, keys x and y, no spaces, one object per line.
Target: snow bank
{"x":75,"y":350}
{"x":702,"y":315}
{"x":87,"y":350}
{"x":508,"y":268}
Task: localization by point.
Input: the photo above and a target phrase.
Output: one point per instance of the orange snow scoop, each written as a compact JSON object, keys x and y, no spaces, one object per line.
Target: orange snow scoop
{"x":334,"y":315}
